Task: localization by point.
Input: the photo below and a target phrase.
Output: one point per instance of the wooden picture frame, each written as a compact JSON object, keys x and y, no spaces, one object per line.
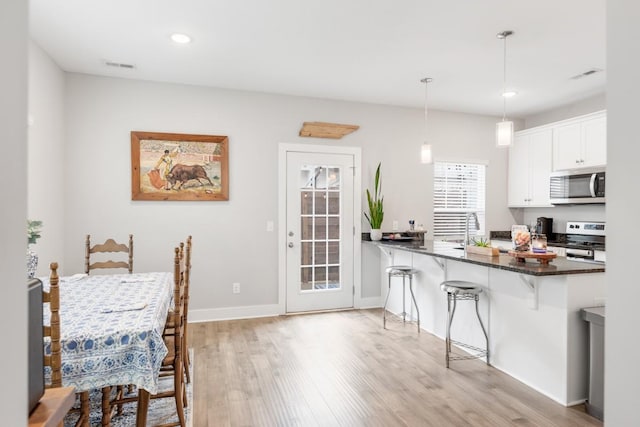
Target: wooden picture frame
{"x":175,"y":166}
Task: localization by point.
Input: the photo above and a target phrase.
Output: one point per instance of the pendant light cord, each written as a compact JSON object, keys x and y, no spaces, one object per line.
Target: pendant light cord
{"x":426,"y":97}
{"x":426,"y":82}
{"x":504,"y":81}
{"x":503,"y":35}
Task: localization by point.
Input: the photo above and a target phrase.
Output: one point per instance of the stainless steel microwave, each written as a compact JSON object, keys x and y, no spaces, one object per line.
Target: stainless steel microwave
{"x":577,"y":186}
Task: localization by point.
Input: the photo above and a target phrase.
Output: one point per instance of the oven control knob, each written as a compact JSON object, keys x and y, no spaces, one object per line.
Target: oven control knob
{"x":577,"y":226}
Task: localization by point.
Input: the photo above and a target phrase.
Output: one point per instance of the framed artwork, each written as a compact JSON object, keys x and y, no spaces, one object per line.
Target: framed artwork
{"x":174,"y":166}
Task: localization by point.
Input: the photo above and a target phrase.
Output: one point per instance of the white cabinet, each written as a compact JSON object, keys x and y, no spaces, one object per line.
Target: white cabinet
{"x":580,"y":143}
{"x":529,"y":168}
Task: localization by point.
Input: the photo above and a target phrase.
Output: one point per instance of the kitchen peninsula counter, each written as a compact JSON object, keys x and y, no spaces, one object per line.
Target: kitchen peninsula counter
{"x":532,"y":311}
{"x":557,"y":266}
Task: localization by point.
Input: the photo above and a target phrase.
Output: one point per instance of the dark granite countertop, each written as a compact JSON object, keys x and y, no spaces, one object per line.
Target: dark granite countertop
{"x":557,"y":266}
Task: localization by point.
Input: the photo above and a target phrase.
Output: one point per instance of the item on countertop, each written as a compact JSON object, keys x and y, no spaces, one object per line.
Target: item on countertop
{"x":412,"y":225}
{"x":520,"y":237}
{"x":539,"y":244}
{"x":376,"y":210}
{"x":544,"y":225}
{"x":543,"y":259}
{"x":481,"y":242}
{"x":34,"y":228}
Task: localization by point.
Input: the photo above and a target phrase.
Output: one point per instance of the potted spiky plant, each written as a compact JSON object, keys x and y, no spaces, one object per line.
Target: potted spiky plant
{"x":376,"y":209}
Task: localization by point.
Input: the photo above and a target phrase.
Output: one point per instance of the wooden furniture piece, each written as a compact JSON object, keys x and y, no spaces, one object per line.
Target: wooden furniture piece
{"x":53,"y":357}
{"x":109,"y":246}
{"x":460,"y":290}
{"x":187,"y":281}
{"x":326,"y":130}
{"x":185,"y":258}
{"x":543,"y":259}
{"x":173,"y":363}
{"x":52,"y":408}
{"x":403,"y":271}
{"x":51,"y":332}
{"x":101,"y":314}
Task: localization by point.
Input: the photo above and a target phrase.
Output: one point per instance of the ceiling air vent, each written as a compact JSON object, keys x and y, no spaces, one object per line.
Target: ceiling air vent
{"x":119,"y":65}
{"x":586,"y":73}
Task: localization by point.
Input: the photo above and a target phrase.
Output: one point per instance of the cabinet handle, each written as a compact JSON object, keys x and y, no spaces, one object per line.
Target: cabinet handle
{"x":577,"y":161}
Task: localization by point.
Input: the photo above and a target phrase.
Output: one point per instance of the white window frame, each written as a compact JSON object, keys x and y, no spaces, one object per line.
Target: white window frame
{"x":464,"y":185}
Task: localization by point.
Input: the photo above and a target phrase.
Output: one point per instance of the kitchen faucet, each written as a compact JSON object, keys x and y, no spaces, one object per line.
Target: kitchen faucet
{"x":466,"y":228}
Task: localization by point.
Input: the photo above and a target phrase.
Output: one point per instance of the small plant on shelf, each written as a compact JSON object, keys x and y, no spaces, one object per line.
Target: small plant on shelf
{"x":34,"y":228}
{"x":481,"y":242}
{"x":376,"y":211}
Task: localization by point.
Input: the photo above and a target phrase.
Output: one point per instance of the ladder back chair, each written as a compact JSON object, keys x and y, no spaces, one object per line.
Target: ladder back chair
{"x":53,"y":358}
{"x":51,"y":332}
{"x":173,"y":363}
{"x":187,"y":282}
{"x":109,"y":246}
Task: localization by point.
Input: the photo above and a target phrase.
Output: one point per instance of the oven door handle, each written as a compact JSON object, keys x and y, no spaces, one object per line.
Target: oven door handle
{"x":579,"y":253}
{"x":592,"y":184}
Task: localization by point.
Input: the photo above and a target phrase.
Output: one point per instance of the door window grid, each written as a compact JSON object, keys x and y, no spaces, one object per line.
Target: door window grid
{"x":320,"y":228}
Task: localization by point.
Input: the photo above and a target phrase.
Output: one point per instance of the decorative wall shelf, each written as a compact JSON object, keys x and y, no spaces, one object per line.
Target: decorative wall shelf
{"x":326,"y":130}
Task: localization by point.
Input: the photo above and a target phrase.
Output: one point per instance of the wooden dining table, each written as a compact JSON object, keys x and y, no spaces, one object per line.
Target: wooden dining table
{"x":111,"y":331}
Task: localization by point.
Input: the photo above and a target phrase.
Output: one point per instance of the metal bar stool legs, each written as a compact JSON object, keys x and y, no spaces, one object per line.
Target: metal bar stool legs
{"x":413,"y":298}
{"x":404,"y":272}
{"x":463,"y":291}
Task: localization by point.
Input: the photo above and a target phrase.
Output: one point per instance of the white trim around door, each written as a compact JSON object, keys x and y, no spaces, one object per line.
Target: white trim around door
{"x":285,"y":148}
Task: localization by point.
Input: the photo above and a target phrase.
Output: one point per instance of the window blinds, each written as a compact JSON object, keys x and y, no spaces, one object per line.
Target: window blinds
{"x":459,"y":188}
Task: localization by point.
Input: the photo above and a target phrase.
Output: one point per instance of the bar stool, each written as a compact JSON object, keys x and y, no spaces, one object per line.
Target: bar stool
{"x":460,"y":290}
{"x":403,"y":271}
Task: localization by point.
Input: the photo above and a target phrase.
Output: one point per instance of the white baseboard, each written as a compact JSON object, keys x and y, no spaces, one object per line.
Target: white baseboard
{"x":370,"y":302}
{"x":251,"y":311}
{"x":231,"y":313}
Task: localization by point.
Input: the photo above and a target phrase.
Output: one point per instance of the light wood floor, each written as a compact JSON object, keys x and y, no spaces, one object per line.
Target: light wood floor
{"x":343,"y":369}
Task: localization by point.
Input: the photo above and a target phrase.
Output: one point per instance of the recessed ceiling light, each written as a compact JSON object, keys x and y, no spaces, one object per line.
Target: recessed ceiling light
{"x":180,"y":38}
{"x":509,"y":94}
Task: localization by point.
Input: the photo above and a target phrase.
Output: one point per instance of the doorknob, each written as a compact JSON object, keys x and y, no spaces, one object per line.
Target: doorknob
{"x":290,"y":245}
{"x":290,"y":233}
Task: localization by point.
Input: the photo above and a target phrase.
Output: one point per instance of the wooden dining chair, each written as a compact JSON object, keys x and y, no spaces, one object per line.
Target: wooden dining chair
{"x":187,"y":282}
{"x":51,"y":332}
{"x":53,"y":358}
{"x":173,"y":363}
{"x":185,"y":257}
{"x":109,"y":246}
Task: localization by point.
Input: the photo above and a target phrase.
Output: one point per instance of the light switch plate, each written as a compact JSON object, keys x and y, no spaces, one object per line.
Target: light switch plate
{"x":395,"y":225}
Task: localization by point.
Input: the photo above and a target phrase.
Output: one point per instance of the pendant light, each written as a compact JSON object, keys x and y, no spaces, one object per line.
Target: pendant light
{"x":425,"y":153}
{"x":504,"y":129}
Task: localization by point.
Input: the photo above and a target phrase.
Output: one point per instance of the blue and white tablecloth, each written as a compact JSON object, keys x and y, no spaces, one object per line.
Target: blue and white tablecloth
{"x":111,"y":328}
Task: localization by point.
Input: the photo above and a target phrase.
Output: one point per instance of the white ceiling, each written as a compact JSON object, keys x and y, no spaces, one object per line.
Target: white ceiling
{"x":372,"y":51}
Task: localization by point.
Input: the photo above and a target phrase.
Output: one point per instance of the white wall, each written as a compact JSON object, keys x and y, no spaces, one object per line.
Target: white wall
{"x":13,"y":175}
{"x":230,"y":241}
{"x":562,"y":214}
{"x":578,"y":108}
{"x":46,"y":191}
{"x":622,"y":339}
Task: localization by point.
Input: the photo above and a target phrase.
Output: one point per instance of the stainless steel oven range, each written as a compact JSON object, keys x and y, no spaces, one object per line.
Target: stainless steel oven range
{"x":585,"y":241}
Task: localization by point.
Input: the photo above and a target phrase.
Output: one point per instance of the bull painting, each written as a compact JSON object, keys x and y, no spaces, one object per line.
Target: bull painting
{"x":172,"y":166}
{"x":180,"y":174}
